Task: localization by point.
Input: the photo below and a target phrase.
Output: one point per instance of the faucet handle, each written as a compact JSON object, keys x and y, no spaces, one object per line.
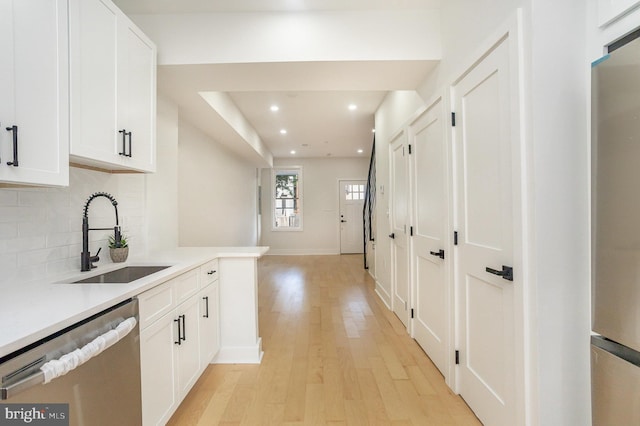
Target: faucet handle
{"x":94,"y":258}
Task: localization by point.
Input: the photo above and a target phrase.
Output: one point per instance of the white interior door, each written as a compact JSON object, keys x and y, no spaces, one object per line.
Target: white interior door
{"x":399,"y":215}
{"x":430,"y":253}
{"x":351,"y":216}
{"x":485,"y":205}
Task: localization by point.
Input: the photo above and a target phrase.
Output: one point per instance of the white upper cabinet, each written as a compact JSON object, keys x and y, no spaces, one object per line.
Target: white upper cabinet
{"x":34,"y":102}
{"x":136,"y":97}
{"x":113,"y":89}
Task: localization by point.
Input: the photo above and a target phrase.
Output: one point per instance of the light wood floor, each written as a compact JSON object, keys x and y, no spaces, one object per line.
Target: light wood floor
{"x":333,"y":354}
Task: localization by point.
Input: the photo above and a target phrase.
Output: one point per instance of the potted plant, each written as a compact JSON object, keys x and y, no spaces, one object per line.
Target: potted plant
{"x":118,"y":250}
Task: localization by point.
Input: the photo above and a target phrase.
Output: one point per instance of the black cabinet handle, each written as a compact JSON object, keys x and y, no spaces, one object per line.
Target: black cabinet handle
{"x":129,"y":154}
{"x":206,"y":305}
{"x":439,"y":253}
{"x":343,"y":221}
{"x":211,"y":272}
{"x":179,"y":342}
{"x":506,"y":273}
{"x":124,"y":142}
{"x":392,"y":235}
{"x":184,"y":327}
{"x":14,"y":129}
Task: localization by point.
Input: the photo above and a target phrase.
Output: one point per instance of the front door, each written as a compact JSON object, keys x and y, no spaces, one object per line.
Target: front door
{"x":351,"y":216}
{"x":430,"y":253}
{"x":399,"y":206}
{"x":485,"y":222}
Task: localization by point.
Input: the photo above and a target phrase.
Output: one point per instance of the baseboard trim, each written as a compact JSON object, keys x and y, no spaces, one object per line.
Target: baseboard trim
{"x":240,"y":354}
{"x":301,"y":252}
{"x":383,"y":295}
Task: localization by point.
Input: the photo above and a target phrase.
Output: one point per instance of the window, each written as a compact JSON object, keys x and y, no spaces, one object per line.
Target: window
{"x":287,"y":199}
{"x":354,"y":192}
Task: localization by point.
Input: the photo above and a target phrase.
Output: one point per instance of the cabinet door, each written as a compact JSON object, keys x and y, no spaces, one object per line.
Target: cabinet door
{"x":157,"y":364}
{"x":209,"y":331}
{"x":187,"y":352}
{"x":34,"y":74}
{"x":136,"y":97}
{"x":93,"y":29}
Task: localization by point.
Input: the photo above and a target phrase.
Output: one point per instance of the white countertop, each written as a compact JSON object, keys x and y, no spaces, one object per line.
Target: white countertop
{"x":36,"y":310}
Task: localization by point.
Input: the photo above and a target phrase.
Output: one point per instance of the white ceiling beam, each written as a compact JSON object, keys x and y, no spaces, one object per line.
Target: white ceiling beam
{"x":217,"y":38}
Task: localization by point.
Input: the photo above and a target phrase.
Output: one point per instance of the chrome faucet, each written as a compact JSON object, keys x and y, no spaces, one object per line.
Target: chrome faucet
{"x":86,"y":260}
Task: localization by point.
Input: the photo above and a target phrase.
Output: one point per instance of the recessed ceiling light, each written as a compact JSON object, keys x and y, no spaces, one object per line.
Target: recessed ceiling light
{"x":373,"y":130}
{"x":360,"y":151}
{"x":292,"y":152}
{"x":353,"y":107}
{"x":274,"y":108}
{"x":283,"y":131}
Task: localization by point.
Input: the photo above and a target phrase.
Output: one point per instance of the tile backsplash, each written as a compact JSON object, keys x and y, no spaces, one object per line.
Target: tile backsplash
{"x":41,"y":228}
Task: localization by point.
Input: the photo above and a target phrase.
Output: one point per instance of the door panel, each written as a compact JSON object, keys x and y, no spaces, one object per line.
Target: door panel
{"x":431,"y":213}
{"x":485,"y":223}
{"x":351,"y":206}
{"x":399,"y":207}
{"x":485,"y":353}
{"x":482,"y":153}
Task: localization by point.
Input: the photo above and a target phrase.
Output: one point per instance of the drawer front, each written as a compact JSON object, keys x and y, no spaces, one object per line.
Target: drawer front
{"x":209,"y":272}
{"x":156,"y":302}
{"x":186,"y":285}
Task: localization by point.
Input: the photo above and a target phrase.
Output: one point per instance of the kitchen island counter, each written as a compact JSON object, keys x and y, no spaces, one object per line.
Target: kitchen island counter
{"x":34,"y":310}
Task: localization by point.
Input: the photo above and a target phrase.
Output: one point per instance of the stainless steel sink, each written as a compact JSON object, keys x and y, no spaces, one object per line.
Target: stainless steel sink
{"x":122,"y":275}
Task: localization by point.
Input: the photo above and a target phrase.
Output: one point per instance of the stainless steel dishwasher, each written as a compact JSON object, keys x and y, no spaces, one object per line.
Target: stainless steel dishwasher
{"x":103,"y":390}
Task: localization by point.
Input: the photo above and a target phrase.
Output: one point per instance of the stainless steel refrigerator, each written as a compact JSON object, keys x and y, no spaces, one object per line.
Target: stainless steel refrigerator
{"x":615,"y":350}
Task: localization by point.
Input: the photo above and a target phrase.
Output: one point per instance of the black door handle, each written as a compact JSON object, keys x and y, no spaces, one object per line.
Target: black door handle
{"x":392,"y":235}
{"x":439,"y":253}
{"x":506,"y":273}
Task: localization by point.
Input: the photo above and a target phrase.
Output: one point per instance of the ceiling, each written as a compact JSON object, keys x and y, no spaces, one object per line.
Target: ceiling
{"x":313,"y":97}
{"x":222,"y":6}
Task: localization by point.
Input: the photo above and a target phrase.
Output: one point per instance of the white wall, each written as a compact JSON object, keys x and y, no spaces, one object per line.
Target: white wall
{"x":559,"y":222}
{"x":321,"y":229}
{"x":41,"y":228}
{"x":162,"y":186}
{"x":216,"y":193}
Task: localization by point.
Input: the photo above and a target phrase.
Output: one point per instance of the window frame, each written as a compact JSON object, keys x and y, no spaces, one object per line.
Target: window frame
{"x":275,"y":171}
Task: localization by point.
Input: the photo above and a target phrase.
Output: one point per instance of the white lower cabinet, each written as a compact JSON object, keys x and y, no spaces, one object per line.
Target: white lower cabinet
{"x":186,"y":346}
{"x":179,"y":336}
{"x":157,"y":371}
{"x":209,"y":324}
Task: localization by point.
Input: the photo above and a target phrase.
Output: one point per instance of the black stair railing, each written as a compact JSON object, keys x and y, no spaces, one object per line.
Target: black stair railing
{"x":368,"y":211}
